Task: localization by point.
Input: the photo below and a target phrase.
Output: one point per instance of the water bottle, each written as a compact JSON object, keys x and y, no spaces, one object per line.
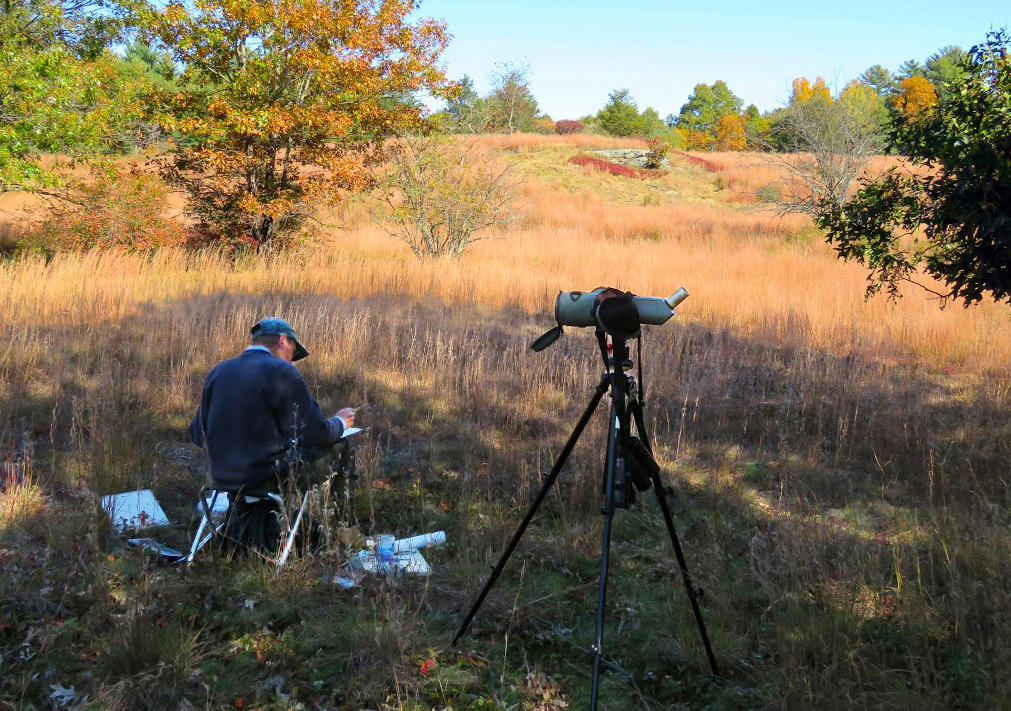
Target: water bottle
{"x":385,"y":553}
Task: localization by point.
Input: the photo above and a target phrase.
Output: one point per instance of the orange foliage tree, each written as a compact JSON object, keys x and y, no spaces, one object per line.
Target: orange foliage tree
{"x":916,"y":96}
{"x":699,"y":140}
{"x":730,"y":134}
{"x":284,"y":104}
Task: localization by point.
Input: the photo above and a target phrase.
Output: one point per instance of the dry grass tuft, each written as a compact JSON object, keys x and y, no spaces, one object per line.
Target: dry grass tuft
{"x":21,"y":500}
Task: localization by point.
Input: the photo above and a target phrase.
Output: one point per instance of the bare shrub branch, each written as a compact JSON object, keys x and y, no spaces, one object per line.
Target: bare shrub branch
{"x":829,"y":144}
{"x":438,"y":195}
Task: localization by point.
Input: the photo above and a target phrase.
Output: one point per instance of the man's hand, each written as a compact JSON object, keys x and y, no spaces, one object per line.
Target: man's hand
{"x":347,"y":416}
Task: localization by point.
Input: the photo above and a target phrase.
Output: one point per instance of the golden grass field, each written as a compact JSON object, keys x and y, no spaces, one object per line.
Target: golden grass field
{"x":839,"y":464}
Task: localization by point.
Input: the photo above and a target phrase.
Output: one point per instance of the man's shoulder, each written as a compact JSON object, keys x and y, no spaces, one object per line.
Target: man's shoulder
{"x":256,"y":360}
{"x":265,"y":362}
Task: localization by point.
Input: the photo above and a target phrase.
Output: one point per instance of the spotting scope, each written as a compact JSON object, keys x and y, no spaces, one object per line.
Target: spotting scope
{"x":619,"y":313}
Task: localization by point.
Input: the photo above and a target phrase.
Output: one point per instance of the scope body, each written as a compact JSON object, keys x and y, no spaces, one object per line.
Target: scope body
{"x":575,"y":308}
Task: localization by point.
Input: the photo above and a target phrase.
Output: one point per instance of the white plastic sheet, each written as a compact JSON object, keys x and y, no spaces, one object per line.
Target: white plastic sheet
{"x":133,"y":510}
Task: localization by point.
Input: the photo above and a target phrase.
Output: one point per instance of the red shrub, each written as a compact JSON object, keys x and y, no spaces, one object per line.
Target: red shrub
{"x":616,"y":168}
{"x":118,"y":208}
{"x":707,"y":164}
{"x":565,"y":127}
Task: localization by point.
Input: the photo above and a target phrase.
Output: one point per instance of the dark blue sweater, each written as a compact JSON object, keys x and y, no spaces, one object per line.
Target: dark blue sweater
{"x":256,"y":416}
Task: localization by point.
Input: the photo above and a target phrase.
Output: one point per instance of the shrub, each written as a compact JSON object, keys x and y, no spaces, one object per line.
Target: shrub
{"x":116,"y":209}
{"x":439,"y":196}
{"x":767,"y":193}
{"x":618,"y":169}
{"x":707,"y":164}
{"x":658,"y":151}
{"x":544,"y":124}
{"x":566,"y":126}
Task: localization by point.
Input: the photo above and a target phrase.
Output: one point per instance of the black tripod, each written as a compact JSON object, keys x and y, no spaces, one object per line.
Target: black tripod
{"x":629,"y":461}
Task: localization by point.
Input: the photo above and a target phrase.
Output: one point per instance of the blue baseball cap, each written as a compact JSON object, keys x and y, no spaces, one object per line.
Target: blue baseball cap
{"x":279,"y":327}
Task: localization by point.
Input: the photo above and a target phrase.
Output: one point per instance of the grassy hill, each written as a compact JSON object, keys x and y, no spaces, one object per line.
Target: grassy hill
{"x":839,"y":468}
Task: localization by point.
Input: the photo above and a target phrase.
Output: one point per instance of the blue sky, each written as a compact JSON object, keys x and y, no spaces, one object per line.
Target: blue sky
{"x":581,"y":51}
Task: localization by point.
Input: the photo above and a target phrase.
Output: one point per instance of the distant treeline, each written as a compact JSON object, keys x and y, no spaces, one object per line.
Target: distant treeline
{"x":713,"y":117}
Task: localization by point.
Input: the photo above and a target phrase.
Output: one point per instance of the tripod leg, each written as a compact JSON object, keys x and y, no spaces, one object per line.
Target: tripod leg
{"x":548,"y":481}
{"x":694,"y":591}
{"x":605,"y":550}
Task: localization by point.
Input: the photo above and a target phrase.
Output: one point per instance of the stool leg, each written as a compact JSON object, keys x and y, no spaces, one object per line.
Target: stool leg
{"x":205,"y":520}
{"x":291,"y":534}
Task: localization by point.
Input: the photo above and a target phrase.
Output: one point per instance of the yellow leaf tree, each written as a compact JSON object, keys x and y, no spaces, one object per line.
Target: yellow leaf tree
{"x":285,"y":103}
{"x":699,"y":141}
{"x":804,"y":90}
{"x":730,"y":134}
{"x":916,"y":96}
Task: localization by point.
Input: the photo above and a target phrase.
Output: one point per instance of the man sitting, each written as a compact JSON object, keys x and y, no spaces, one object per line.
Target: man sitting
{"x":257,"y":421}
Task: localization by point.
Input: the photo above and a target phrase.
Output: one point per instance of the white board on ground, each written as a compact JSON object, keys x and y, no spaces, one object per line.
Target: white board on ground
{"x":134,"y":510}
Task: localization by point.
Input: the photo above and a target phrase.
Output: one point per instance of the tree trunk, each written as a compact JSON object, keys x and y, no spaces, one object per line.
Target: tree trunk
{"x":262,"y":232}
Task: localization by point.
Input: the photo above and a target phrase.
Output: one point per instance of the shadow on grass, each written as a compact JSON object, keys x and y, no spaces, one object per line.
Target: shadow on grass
{"x":821,"y":500}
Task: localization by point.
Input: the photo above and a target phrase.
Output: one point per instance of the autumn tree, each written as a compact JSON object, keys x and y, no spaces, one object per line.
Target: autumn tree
{"x":866,"y":107}
{"x":699,"y":140}
{"x":284,"y":103}
{"x":543,"y":124}
{"x":84,"y":28}
{"x":804,"y":90}
{"x":915,"y":97}
{"x":952,"y":219}
{"x":566,"y":127}
{"x":511,"y":106}
{"x":53,"y":102}
{"x":730,"y":135}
